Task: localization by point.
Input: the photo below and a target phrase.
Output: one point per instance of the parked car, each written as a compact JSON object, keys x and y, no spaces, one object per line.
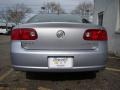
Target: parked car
{"x":3,"y":30}
{"x":58,"y":43}
{"x":6,"y":28}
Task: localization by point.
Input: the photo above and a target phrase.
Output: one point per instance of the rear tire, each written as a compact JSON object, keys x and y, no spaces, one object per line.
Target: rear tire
{"x":92,"y":74}
{"x":30,"y":75}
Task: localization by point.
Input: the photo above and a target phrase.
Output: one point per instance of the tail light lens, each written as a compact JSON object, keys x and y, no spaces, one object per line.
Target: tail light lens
{"x":24,"y":34}
{"x":95,"y":34}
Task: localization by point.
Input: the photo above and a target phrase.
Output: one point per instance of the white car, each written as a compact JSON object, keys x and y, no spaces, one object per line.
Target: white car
{"x":3,"y":30}
{"x":6,"y":29}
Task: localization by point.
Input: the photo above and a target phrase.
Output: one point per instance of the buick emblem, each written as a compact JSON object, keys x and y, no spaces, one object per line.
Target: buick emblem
{"x":60,"y":34}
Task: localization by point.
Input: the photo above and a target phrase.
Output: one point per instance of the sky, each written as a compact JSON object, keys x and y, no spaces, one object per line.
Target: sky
{"x":36,"y":5}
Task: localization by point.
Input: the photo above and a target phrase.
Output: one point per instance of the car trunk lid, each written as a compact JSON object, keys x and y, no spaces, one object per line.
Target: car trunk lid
{"x":59,"y":36}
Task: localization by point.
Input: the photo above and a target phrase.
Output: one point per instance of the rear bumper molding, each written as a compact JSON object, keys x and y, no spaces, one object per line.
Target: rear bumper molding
{"x":47,"y":69}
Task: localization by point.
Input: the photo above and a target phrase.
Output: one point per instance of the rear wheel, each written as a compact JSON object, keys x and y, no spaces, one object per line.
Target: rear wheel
{"x":29,"y":75}
{"x":91,"y":74}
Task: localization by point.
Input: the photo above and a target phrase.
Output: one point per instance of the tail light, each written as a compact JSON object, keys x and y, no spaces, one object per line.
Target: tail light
{"x":95,"y":35}
{"x":24,"y":34}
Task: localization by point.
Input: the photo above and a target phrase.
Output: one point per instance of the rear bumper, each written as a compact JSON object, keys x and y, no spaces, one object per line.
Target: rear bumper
{"x":27,"y":60}
{"x":37,"y":60}
{"x":46,"y":69}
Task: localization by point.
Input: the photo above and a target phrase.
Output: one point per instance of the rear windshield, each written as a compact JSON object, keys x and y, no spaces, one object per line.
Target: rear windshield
{"x":55,"y":18}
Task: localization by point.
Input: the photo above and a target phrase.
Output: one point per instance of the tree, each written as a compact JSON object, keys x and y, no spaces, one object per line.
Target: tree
{"x":85,"y":8}
{"x":52,"y":7}
{"x":16,"y":13}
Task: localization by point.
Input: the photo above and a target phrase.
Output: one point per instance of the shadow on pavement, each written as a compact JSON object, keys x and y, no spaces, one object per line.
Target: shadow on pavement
{"x":60,"y":76}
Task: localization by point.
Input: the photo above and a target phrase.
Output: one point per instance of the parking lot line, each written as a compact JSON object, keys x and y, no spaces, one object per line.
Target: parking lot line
{"x":113,"y":69}
{"x":5,"y":74}
{"x":114,"y":57}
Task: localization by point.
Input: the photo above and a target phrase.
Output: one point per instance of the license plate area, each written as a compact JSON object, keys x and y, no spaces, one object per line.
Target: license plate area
{"x":60,"y":62}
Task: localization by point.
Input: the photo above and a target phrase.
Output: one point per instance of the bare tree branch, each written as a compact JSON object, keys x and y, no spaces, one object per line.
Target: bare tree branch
{"x":84,"y":9}
{"x":16,"y":13}
{"x":52,"y":7}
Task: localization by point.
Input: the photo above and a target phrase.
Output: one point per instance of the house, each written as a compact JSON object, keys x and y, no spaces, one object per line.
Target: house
{"x":107,"y":14}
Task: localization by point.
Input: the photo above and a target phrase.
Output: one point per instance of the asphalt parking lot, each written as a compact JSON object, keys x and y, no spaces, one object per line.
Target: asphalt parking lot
{"x":108,"y":79}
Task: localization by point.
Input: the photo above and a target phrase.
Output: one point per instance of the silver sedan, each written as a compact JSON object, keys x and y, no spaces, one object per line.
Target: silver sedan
{"x":58,"y":43}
